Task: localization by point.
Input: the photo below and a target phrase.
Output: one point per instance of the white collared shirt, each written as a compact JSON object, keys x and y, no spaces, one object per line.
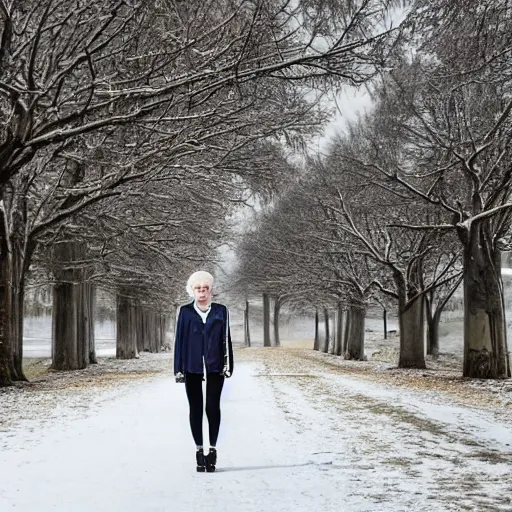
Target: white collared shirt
{"x":202,"y":314}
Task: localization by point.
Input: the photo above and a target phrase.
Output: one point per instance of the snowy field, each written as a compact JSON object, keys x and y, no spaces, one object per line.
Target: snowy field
{"x":297,"y":435}
{"x":293,"y":328}
{"x":37,"y":337}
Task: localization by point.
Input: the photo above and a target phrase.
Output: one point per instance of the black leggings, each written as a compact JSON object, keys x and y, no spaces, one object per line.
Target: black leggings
{"x":194,"y":388}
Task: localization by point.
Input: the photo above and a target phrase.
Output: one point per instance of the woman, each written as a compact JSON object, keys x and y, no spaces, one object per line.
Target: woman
{"x":203,"y":345}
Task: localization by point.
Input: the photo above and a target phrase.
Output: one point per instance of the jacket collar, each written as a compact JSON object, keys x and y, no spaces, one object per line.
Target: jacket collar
{"x":215,"y":312}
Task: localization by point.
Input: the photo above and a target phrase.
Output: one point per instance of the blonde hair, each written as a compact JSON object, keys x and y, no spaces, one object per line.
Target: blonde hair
{"x":199,"y":277}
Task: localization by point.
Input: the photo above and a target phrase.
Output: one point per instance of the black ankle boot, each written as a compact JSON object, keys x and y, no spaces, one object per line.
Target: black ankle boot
{"x":211,"y":460}
{"x":201,"y":461}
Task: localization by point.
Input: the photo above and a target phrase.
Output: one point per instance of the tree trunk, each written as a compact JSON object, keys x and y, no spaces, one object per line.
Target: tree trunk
{"x":139,"y":322}
{"x":167,"y":327}
{"x":126,"y":320}
{"x":15,"y":257}
{"x":277,"y":310}
{"x":82,"y":326}
{"x":145,"y":330}
{"x":5,"y":374}
{"x":245,"y":327}
{"x":5,"y":346}
{"x":433,"y":335}
{"x":164,"y":327}
{"x":17,"y":291}
{"x":64,"y":325}
{"x":151,"y":331}
{"x":346,"y":333}
{"x":266,"y":320}
{"x":91,"y":316}
{"x":332,"y":330}
{"x":325,"y":347}
{"x":247,"y":333}
{"x":85,"y":323}
{"x":355,"y":340}
{"x":11,"y":337}
{"x":70,"y":329}
{"x":412,"y":339}
{"x":157,"y":332}
{"x":485,"y":339}
{"x":316,"y":343}
{"x":70,"y":322}
{"x":144,"y":340}
{"x":338,"y":351}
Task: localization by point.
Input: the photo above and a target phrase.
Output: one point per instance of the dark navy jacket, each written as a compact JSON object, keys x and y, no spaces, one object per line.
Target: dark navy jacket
{"x":195,"y":340}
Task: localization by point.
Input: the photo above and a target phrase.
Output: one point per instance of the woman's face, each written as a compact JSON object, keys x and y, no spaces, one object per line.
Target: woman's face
{"x":202,"y":293}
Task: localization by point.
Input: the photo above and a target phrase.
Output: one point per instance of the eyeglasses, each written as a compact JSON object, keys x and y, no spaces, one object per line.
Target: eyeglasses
{"x":201,"y":288}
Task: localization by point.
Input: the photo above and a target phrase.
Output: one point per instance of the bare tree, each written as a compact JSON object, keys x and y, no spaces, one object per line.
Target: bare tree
{"x":62,"y":186}
{"x":71,"y":77}
{"x":451,"y":110}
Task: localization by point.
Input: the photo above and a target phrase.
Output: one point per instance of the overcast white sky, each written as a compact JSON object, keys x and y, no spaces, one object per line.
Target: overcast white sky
{"x":349,"y":103}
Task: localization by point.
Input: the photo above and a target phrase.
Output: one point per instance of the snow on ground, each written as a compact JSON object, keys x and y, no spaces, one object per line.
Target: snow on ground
{"x":37,"y":337}
{"x":423,"y":452}
{"x":297,"y":435}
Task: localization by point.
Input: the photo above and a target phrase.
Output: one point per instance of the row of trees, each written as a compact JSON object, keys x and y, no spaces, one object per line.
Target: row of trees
{"x":414,"y":198}
{"x":129,"y":131}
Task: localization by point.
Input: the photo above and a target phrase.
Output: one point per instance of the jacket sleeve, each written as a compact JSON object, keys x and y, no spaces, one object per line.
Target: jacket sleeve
{"x":228,"y":348}
{"x":230,"y":351}
{"x":178,"y":344}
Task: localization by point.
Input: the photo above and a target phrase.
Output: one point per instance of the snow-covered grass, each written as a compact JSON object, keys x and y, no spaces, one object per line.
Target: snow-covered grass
{"x":50,"y":395}
{"x":409,"y":449}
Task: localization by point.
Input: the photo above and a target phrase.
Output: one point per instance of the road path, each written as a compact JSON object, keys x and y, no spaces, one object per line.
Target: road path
{"x":295,"y":436}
